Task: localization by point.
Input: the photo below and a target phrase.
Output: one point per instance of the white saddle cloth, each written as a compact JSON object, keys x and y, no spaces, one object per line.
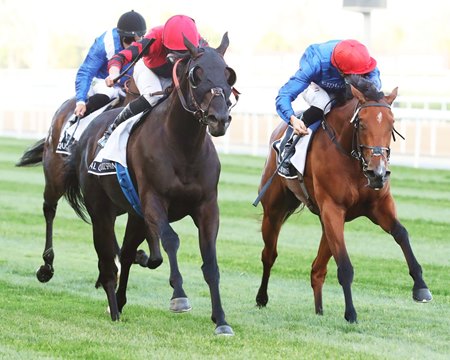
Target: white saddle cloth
{"x":115,"y":148}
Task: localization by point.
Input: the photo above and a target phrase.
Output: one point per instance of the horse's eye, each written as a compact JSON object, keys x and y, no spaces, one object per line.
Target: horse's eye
{"x":230,"y":75}
{"x":194,"y":76}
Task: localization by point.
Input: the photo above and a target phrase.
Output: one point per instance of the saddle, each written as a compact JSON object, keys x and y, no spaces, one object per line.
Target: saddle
{"x":298,"y":159}
{"x":75,"y":126}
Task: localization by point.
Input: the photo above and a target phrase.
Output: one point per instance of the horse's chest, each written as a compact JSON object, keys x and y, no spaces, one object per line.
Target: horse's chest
{"x":187,"y":185}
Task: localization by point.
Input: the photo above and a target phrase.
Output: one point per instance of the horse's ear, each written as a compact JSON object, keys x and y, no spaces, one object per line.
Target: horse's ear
{"x":224,"y":44}
{"x":192,"y":49}
{"x":391,"y":97}
{"x":358,"y":94}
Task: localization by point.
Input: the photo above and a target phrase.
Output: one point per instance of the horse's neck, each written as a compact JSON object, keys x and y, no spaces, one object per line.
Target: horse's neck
{"x":183,"y":128}
{"x":339,"y":119}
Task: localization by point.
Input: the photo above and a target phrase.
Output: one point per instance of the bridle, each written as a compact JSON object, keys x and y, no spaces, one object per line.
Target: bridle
{"x":358,"y":147}
{"x":199,"y":113}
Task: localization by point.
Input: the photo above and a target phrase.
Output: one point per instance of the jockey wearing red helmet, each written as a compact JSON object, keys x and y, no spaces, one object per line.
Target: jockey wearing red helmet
{"x":319,"y":79}
{"x":153,"y":72}
{"x":352,"y":57}
{"x":175,"y":28}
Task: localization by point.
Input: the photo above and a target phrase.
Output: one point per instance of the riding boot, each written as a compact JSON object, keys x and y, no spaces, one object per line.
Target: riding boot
{"x":286,"y":169}
{"x":309,"y":117}
{"x":133,"y":108}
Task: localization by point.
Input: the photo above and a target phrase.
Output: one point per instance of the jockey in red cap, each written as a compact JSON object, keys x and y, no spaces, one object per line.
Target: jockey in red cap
{"x":352,"y":57}
{"x":154,"y":71}
{"x":320,"y":79}
{"x":175,"y":28}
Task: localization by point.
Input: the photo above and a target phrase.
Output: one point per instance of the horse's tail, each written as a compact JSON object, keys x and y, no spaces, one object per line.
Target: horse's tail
{"x":33,"y":155}
{"x":72,"y":189}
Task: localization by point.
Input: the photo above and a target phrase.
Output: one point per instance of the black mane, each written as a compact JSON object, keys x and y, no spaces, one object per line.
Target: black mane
{"x":364,"y":85}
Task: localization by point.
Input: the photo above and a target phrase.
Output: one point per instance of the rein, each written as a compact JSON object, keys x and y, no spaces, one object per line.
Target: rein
{"x":199,"y":113}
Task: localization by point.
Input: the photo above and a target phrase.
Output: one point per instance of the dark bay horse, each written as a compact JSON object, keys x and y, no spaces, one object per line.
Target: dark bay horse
{"x":175,"y":170}
{"x":346,"y":176}
{"x":44,"y":151}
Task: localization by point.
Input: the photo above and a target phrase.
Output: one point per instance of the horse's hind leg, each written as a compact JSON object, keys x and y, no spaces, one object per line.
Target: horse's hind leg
{"x":278,"y":205}
{"x":52,"y":193}
{"x":105,"y":245}
{"x":134,"y":236}
{"x":319,"y":272}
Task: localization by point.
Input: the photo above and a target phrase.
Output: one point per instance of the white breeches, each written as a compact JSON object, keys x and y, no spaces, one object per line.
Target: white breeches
{"x":98,"y":86}
{"x":314,"y":95}
{"x":148,"y":82}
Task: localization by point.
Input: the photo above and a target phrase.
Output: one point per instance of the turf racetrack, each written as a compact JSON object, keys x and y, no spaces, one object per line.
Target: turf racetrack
{"x":66,"y":319}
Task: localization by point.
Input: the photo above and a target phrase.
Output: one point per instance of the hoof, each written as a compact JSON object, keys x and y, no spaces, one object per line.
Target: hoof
{"x":261,"y":300}
{"x":45,"y":273}
{"x":154,"y":263}
{"x":114,"y":317}
{"x":224,"y":330}
{"x":179,"y":305}
{"x":351,"y":318}
{"x":422,"y":295}
{"x":141,"y":258}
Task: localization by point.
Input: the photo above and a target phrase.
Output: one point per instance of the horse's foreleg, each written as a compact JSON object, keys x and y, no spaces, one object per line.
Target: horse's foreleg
{"x":421,"y":293}
{"x":155,"y":259}
{"x":171,"y":242}
{"x":319,"y":272}
{"x":332,"y":218}
{"x":420,"y":290}
{"x":385,"y":216}
{"x":207,"y":222}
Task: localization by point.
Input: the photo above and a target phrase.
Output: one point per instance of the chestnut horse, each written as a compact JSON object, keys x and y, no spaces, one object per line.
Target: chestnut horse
{"x":346,"y":176}
{"x":44,"y":151}
{"x":175,"y":169}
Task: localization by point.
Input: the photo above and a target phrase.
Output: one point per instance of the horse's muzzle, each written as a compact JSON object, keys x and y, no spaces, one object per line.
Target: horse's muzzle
{"x":377,"y":177}
{"x":218,"y":125}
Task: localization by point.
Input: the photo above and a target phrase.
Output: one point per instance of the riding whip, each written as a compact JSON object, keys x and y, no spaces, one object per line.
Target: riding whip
{"x":134,"y":61}
{"x":267,"y":184}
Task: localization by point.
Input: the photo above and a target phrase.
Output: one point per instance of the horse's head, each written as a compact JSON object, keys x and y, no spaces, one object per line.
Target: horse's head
{"x":209,"y":82}
{"x":374,"y":125}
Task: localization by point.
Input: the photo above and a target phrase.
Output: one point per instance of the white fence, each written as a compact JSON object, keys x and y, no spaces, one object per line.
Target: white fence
{"x":425,"y":122}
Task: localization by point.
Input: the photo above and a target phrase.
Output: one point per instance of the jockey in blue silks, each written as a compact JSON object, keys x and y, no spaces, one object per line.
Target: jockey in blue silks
{"x":91,"y":90}
{"x":321,"y":78}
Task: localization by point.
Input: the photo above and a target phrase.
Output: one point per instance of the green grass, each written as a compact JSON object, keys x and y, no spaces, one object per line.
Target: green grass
{"x":66,"y":319}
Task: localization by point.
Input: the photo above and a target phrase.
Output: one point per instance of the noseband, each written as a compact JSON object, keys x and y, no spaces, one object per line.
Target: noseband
{"x":358,"y":148}
{"x":200,"y":114}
